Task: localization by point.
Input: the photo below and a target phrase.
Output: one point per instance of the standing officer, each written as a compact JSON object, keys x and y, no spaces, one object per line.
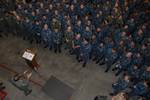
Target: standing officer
{"x":68,"y":37}
{"x":122,"y":84}
{"x":146,"y":74}
{"x":37,"y":31}
{"x":85,"y":51}
{"x":124,"y":63}
{"x":76,"y":44}
{"x":100,"y":52}
{"x":78,"y":28}
{"x":27,"y":28}
{"x":110,"y":58}
{"x":87,"y":33}
{"x":57,"y":40}
{"x":45,"y":20}
{"x":140,"y":89}
{"x":134,"y":72}
{"x":46,"y":36}
{"x":94,"y":45}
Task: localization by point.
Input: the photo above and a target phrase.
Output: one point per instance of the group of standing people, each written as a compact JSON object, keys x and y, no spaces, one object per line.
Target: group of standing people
{"x":110,"y":32}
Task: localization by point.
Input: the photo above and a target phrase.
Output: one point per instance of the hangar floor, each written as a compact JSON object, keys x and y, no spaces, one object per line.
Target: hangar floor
{"x":87,"y":82}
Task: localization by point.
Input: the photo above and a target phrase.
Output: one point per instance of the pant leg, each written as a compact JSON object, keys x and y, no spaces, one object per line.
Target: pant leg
{"x":55,"y":47}
{"x":108,"y":65}
{"x":99,"y":58}
{"x":85,"y":59}
{"x":38,"y":38}
{"x":59,"y":48}
{"x":119,"y":72}
{"x":50,"y":44}
{"x":77,"y":53}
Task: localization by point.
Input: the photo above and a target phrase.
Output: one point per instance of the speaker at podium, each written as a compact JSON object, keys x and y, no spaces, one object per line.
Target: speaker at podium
{"x":30,"y":58}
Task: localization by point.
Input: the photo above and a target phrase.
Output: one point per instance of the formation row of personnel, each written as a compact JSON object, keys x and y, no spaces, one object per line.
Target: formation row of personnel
{"x":109,"y":32}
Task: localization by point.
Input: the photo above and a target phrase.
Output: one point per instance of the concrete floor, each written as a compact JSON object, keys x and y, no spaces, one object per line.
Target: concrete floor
{"x":87,"y":82}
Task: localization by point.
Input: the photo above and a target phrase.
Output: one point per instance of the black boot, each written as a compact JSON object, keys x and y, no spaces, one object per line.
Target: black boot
{"x":116,"y":74}
{"x":114,"y":69}
{"x":45,"y":46}
{"x":84,"y":65}
{"x":59,"y":50}
{"x":97,"y":61}
{"x":50,"y":48}
{"x":106,"y":70}
{"x":94,"y":59}
{"x":101,"y":63}
{"x":55,"y":50}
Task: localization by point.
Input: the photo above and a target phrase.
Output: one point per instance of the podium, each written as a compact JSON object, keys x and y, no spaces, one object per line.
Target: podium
{"x":30,"y":58}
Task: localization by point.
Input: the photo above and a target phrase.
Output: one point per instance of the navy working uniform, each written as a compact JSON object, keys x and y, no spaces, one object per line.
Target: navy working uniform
{"x":57,"y":40}
{"x":47,"y":36}
{"x":111,"y":58}
{"x":140,"y":89}
{"x":123,"y":63}
{"x":76,"y":44}
{"x":121,"y":85}
{"x":37,"y":32}
{"x":85,"y":51}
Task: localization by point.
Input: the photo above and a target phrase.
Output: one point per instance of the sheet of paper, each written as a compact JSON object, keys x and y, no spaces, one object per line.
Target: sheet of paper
{"x":28,"y":56}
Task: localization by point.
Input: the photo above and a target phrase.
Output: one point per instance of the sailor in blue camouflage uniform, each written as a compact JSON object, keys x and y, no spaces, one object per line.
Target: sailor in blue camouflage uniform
{"x":134,"y":72}
{"x":41,"y":8}
{"x":97,"y":19}
{"x":47,"y":36}
{"x":72,"y":13}
{"x":138,"y":37}
{"x":94,"y":44}
{"x":85,"y":51}
{"x":31,"y":33}
{"x":100,"y":52}
{"x":137,"y":59}
{"x":123,"y":63}
{"x":131,"y":25}
{"x":122,"y":84}
{"x":19,"y":24}
{"x":109,"y":44}
{"x":131,"y":46}
{"x":81,"y":9}
{"x":103,"y":33}
{"x":140,"y":89}
{"x":33,"y":16}
{"x":78,"y":28}
{"x":76,"y":46}
{"x":57,"y":40}
{"x":144,"y":51}
{"x":45,"y":20}
{"x":27,"y":28}
{"x":87,"y":33}
{"x":110,"y":58}
{"x":50,"y":11}
{"x":146,"y":74}
{"x":37,"y":31}
{"x":120,"y":48}
{"x":117,"y":35}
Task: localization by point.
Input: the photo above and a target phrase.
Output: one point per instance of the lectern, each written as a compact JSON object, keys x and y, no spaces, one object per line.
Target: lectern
{"x":30,"y":58}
